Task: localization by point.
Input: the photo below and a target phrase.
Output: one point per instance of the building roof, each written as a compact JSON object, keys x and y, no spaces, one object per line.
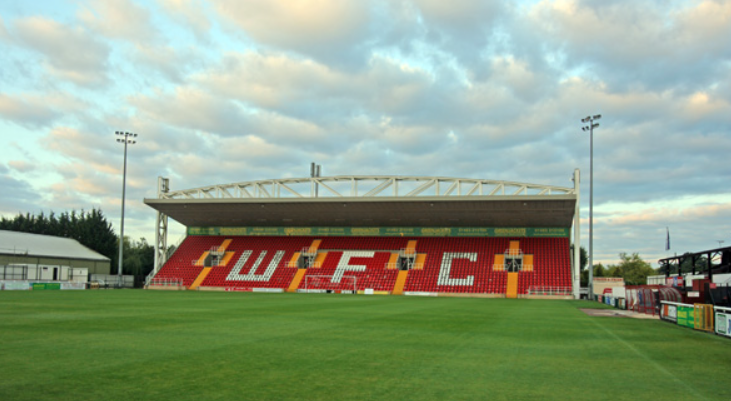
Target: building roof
{"x":18,"y":243}
{"x":370,"y":201}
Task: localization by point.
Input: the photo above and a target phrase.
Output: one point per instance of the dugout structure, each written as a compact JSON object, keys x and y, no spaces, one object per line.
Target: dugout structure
{"x":376,"y":207}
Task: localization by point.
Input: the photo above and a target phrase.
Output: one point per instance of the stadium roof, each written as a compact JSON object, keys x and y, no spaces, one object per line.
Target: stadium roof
{"x":17,"y":243}
{"x":370,"y":201}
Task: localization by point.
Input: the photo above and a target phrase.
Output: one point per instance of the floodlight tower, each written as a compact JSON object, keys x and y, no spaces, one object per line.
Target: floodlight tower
{"x":589,"y":120}
{"x":127,"y":139}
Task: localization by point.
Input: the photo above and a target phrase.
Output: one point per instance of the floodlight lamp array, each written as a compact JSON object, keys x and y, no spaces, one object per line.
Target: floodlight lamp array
{"x":590,"y":120}
{"x":126,"y":136}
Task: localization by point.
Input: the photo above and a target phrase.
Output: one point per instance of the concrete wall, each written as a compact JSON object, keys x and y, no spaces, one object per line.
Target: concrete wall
{"x":600,"y":283}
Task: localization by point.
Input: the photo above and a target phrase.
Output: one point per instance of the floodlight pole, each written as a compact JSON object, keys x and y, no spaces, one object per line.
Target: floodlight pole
{"x":124,"y":137}
{"x":590,"y":127}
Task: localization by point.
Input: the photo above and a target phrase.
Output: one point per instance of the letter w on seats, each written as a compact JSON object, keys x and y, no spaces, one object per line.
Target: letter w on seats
{"x":235,"y":274}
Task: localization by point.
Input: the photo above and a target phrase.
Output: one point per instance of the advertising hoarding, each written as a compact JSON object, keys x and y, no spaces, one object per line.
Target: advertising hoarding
{"x":723,"y":323}
{"x":530,"y":232}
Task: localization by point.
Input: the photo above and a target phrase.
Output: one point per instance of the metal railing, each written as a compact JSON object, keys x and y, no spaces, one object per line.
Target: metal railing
{"x":167,"y":282}
{"x":549,"y":290}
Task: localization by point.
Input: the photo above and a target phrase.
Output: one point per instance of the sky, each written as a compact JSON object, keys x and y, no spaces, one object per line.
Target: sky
{"x":226,"y":91}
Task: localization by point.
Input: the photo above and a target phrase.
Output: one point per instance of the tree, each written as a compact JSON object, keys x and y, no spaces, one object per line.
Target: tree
{"x":94,"y":231}
{"x":687,"y":263}
{"x":632,"y":268}
{"x":584,"y":260}
{"x":583,"y":256}
{"x":599,"y":271}
{"x":139,"y":258}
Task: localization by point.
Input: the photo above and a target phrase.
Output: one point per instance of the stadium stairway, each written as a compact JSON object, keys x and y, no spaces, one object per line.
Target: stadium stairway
{"x":398,"y":289}
{"x":297,"y":280}
{"x":202,"y":276}
{"x":512,"y":288}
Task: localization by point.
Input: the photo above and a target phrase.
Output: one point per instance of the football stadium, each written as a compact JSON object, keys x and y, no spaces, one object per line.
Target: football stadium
{"x":372,"y":234}
{"x":360,"y":288}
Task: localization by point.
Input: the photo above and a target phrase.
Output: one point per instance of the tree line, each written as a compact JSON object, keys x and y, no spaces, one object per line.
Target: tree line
{"x":94,"y":231}
{"x":631,"y":268}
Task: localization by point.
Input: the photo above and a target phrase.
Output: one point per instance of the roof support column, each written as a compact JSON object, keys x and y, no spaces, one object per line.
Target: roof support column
{"x":576,"y":273}
{"x":161,"y":242}
{"x":161,"y":229}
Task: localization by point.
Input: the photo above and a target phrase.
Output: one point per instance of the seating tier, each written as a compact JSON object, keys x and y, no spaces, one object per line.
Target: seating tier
{"x":368,"y":268}
{"x":466,"y":265}
{"x":263,"y":250}
{"x":181,"y":265}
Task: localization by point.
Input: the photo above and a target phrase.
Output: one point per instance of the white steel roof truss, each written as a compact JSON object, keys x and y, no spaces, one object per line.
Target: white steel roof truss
{"x":378,"y":189}
{"x":261,"y":191}
{"x":417,"y":185}
{"x":423,"y":187}
{"x":244,"y":192}
{"x":520,"y":189}
{"x":475,"y":187}
{"x":206,"y":192}
{"x":225,"y":193}
{"x":292,"y":191}
{"x":329,"y":188}
{"x":451,"y":188}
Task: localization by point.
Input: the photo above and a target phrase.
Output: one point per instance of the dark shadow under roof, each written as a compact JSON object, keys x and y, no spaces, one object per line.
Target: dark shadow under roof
{"x":470,"y":211}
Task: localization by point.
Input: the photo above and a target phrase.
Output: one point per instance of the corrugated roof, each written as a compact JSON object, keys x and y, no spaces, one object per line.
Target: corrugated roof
{"x":17,"y":243}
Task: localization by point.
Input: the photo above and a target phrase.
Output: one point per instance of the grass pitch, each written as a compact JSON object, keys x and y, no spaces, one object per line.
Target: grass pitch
{"x":154,"y":345}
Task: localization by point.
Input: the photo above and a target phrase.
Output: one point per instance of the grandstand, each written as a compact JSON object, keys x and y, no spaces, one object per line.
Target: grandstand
{"x":372,"y":234}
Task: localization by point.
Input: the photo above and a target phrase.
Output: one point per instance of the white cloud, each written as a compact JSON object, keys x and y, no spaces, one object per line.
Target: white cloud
{"x":308,"y":89}
{"x":166,"y":60}
{"x":324,"y":29}
{"x":119,"y":19}
{"x":641,"y":227}
{"x":21,"y":166}
{"x":461,"y":25}
{"x":190,"y":108}
{"x":459,"y":13}
{"x":703,"y":28}
{"x":24,"y":199}
{"x":87,"y":149}
{"x":60,"y":44}
{"x":642,"y":45}
{"x":191,"y":13}
{"x":31,"y":112}
{"x":4,"y":35}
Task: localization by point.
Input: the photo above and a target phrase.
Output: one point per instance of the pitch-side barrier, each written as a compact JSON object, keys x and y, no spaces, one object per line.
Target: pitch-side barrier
{"x":27,"y":285}
{"x":703,"y":317}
